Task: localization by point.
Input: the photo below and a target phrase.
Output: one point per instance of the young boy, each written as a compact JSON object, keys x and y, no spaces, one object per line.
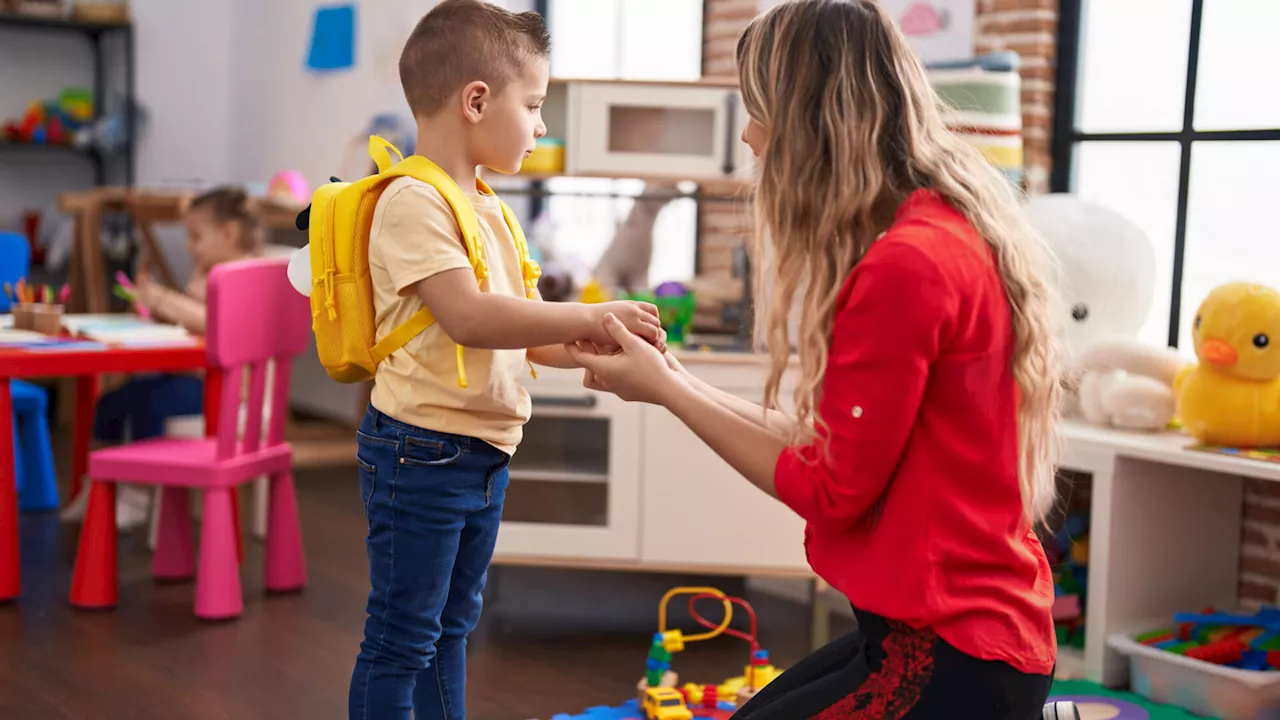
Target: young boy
{"x":433,"y":455}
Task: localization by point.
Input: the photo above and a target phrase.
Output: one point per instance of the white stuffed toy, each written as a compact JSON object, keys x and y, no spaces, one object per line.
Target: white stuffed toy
{"x":1108,"y":276}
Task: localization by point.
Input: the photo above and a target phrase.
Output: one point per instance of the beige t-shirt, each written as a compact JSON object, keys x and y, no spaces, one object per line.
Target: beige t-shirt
{"x":413,"y":237}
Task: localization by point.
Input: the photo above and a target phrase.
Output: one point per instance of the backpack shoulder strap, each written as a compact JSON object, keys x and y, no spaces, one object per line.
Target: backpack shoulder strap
{"x":422,"y":169}
{"x":530,"y":271}
{"x":401,"y":336}
{"x":380,"y":151}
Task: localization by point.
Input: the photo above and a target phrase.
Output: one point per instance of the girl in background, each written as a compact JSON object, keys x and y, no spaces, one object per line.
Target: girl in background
{"x":920,"y":451}
{"x":220,"y":228}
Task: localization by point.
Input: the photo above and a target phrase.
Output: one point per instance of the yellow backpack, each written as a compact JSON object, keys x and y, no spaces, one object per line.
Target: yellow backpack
{"x":340,"y":217}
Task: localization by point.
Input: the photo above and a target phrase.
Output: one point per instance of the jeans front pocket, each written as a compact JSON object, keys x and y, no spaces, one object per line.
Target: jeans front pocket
{"x":368,"y":483}
{"x":430,"y":451}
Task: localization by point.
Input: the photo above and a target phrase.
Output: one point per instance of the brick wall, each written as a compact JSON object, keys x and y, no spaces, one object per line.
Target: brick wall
{"x":1030,"y":28}
{"x":1260,"y":556}
{"x":1026,"y":26}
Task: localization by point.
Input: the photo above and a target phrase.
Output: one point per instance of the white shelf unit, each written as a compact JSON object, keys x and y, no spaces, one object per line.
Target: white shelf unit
{"x":1164,"y":535}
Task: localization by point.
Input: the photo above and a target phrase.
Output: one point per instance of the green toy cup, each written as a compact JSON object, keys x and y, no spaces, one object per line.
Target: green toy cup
{"x":675,"y":308}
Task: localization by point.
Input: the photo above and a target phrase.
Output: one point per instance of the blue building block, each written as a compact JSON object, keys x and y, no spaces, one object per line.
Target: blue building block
{"x":629,"y":710}
{"x":1266,"y":619}
{"x":1254,"y":660}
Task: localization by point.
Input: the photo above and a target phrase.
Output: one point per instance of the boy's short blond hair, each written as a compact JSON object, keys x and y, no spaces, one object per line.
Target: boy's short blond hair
{"x":461,"y":41}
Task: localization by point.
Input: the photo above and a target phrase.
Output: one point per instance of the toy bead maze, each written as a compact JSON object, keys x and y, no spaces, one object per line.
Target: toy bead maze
{"x":659,"y":695}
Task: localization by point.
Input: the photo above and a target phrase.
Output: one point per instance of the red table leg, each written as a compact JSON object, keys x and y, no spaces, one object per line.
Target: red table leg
{"x":212,"y":411}
{"x":10,"y":569}
{"x":86,"y":399}
{"x":94,"y":583}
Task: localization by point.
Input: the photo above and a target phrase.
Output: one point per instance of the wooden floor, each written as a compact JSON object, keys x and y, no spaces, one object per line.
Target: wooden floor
{"x":550,"y":642}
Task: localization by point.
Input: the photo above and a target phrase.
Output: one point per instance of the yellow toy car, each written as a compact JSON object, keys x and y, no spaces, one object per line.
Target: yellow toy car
{"x":665,"y":704}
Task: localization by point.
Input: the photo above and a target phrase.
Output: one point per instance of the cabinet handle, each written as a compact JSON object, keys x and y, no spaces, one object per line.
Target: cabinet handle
{"x":578,"y":401}
{"x":730,"y":140}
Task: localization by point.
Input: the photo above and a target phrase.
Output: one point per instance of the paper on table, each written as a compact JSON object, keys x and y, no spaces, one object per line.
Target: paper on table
{"x":78,"y":323}
{"x":169,"y":334}
{"x":126,"y":330}
{"x":9,"y":336}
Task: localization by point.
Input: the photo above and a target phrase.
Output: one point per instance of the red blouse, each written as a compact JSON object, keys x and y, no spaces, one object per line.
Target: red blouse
{"x":915,"y":513}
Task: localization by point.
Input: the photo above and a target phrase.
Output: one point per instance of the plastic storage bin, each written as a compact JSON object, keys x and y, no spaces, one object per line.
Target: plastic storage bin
{"x":1200,"y":687}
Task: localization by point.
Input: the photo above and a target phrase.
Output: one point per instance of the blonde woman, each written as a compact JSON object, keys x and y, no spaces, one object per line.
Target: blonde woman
{"x":921,"y":448}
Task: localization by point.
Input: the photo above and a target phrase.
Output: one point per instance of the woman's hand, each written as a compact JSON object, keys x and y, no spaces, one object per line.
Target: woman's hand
{"x":635,"y":372}
{"x":676,"y":367}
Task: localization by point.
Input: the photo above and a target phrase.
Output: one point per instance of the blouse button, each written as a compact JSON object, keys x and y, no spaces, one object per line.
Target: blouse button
{"x":857,"y":411}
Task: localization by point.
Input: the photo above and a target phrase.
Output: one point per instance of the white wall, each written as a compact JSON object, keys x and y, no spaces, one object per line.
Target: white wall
{"x":186,"y":83}
{"x":288,"y":117}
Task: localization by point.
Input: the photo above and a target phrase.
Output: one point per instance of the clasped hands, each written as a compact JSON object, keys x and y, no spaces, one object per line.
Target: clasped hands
{"x":634,"y":369}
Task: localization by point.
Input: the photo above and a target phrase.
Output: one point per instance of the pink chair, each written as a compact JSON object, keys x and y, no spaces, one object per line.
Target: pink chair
{"x":255,"y":316}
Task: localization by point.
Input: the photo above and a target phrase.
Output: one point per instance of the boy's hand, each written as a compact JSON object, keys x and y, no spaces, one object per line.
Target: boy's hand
{"x":640,"y":318}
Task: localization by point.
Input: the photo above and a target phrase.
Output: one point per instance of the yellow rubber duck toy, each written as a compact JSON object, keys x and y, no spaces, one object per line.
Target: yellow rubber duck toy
{"x":1232,"y":397}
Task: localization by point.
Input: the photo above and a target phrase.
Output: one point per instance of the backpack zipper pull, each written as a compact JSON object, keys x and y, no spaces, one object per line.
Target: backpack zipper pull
{"x":328,"y":295}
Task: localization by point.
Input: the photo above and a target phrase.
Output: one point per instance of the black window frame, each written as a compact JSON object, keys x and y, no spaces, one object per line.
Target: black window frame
{"x":1067,"y":135}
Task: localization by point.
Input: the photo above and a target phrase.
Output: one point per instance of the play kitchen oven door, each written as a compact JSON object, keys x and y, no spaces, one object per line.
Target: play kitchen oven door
{"x":575,"y":480}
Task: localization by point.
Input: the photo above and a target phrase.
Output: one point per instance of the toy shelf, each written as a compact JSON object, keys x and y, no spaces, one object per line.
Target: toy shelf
{"x":96,"y":33}
{"x":1164,"y":534}
{"x":54,"y":147}
{"x":22,"y":20}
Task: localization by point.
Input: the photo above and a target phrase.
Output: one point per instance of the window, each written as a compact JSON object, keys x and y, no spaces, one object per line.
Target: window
{"x":1180,"y":133}
{"x":626,"y":40}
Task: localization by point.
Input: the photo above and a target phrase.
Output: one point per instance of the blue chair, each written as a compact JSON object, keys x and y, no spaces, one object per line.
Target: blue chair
{"x":32,"y":450}
{"x":15,"y":261}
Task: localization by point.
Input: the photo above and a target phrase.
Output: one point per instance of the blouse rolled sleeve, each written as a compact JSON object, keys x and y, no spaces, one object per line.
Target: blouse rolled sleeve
{"x":886,"y":335}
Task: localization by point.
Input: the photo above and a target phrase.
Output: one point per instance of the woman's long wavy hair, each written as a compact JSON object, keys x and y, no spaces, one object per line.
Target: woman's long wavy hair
{"x":851,"y":127}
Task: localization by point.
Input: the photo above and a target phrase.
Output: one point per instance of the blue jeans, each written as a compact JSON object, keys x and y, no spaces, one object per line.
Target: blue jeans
{"x":433,"y":502}
{"x":144,"y":403}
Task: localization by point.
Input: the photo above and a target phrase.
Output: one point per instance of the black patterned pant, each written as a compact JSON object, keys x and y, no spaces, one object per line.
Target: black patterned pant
{"x":885,"y":670}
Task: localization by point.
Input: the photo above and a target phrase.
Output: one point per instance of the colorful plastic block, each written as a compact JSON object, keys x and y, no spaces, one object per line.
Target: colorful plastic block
{"x":1267,"y":619}
{"x":1155,"y":637}
{"x":630,"y":710}
{"x":1254,"y":660}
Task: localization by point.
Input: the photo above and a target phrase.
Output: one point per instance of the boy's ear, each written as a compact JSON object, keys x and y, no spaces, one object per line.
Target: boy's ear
{"x":475,"y":100}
